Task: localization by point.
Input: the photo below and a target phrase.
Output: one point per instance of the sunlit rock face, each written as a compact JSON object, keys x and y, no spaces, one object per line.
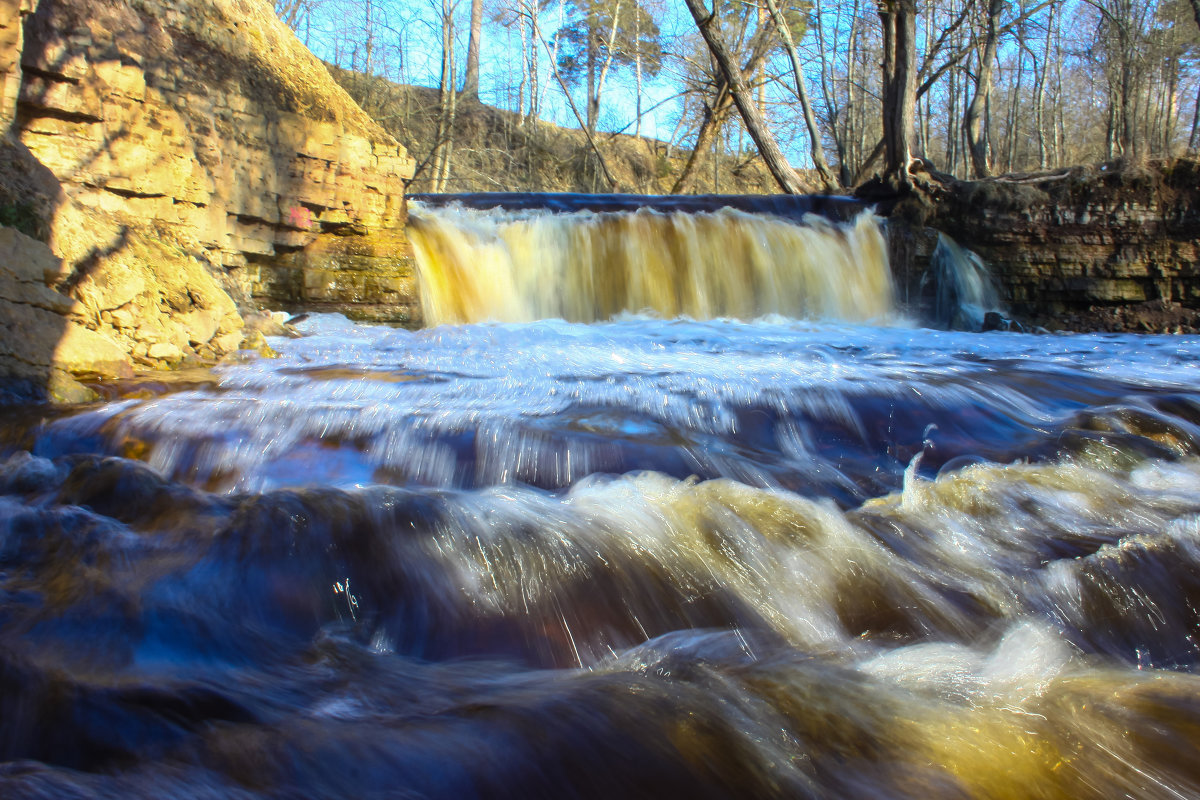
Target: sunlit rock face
{"x":171,"y":152}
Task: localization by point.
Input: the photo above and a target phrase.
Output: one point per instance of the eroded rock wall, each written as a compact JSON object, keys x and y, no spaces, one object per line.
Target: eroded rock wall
{"x":1065,"y":247}
{"x":189,"y":155}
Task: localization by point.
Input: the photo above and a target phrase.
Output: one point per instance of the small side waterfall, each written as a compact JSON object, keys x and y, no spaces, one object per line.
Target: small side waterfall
{"x":518,"y":266}
{"x":964,"y":291}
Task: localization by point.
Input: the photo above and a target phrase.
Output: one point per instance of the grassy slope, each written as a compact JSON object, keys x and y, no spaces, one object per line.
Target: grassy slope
{"x":494,"y":152}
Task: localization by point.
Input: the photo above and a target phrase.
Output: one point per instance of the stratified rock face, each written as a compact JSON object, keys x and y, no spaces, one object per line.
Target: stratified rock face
{"x":12,"y":16}
{"x":196,"y":154}
{"x":206,"y":115}
{"x":41,"y":338}
{"x":368,"y":277}
{"x":1064,"y":243}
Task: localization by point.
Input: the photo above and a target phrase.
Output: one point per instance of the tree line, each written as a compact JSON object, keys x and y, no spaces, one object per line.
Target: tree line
{"x":846,"y":89}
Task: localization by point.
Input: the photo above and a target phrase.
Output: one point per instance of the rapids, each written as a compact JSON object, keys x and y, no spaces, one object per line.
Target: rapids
{"x":635,"y":556}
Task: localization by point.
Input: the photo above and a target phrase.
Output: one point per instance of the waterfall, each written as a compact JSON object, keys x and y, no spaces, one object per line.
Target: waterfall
{"x":520,"y":266}
{"x":964,"y":291}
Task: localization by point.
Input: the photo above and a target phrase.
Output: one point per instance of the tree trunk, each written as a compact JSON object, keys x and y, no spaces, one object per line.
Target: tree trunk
{"x":1014,"y":109}
{"x":637,"y":68}
{"x":760,"y":77}
{"x":717,"y":114}
{"x":1111,"y":125}
{"x":899,"y":20}
{"x":470,"y":89}
{"x":856,"y":106}
{"x":833,"y":109}
{"x":810,"y":121}
{"x":1129,"y":145}
{"x":1040,"y":106}
{"x":1194,"y":139}
{"x":526,"y":72}
{"x":714,"y":118}
{"x":977,"y":142}
{"x":446,"y":103}
{"x":594,"y":102}
{"x":768,"y":148}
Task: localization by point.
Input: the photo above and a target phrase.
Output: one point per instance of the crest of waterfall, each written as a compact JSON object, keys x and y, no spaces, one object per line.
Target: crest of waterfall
{"x":963,"y":288}
{"x":520,"y":266}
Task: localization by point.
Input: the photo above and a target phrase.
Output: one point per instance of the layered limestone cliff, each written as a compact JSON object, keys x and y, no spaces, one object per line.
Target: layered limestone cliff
{"x":1077,"y":248}
{"x":182,"y":157}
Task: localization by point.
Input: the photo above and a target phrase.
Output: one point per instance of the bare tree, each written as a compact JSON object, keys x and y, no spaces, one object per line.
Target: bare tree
{"x":447,"y":103}
{"x":716,"y":109}
{"x":899,"y":21}
{"x":295,"y":13}
{"x":1194,"y":139}
{"x":470,"y":88}
{"x":600,"y":35}
{"x":810,"y":120}
{"x":708,"y":23}
{"x":974,"y":122}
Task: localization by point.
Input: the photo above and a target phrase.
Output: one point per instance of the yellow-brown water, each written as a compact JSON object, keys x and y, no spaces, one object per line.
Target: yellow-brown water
{"x":641,"y":558}
{"x":583,"y":267}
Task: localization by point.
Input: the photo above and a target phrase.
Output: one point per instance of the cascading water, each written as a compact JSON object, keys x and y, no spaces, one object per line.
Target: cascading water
{"x":479,"y":265}
{"x":769,"y":557}
{"x":964,"y":291}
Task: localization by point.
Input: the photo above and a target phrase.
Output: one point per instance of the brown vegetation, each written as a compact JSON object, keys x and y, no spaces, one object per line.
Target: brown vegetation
{"x":496,"y":151}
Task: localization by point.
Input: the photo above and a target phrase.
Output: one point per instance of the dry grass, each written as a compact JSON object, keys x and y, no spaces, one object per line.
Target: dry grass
{"x":495,"y":152}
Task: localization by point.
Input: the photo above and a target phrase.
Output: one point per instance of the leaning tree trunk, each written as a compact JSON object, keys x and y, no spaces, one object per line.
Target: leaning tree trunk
{"x":810,"y":121}
{"x":714,"y":118}
{"x":716,"y":114}
{"x":768,"y":148}
{"x":1194,"y":139}
{"x":977,"y":143}
{"x":899,"y":20}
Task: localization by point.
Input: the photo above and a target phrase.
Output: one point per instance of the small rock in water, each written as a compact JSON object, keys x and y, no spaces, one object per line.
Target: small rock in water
{"x":994,"y":321}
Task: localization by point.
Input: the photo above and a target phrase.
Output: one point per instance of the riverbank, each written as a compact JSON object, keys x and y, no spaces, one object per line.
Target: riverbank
{"x":1111,"y":247}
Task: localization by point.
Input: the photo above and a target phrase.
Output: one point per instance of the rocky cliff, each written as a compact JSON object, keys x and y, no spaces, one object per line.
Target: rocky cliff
{"x":1073,"y":249}
{"x":181,"y":157}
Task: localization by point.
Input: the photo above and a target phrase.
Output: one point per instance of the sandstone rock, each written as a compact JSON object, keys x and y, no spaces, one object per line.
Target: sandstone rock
{"x":368,"y":277}
{"x":84,"y":351}
{"x":164,"y":351}
{"x":38,"y":343}
{"x":226,"y":343}
{"x":176,"y":144}
{"x":27,"y":268}
{"x":122,"y":318}
{"x":62,"y":389}
{"x":201,"y":325}
{"x":257,"y":137}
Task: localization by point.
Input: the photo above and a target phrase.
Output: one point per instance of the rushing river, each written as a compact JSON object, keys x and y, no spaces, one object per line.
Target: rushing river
{"x":636,"y":557}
